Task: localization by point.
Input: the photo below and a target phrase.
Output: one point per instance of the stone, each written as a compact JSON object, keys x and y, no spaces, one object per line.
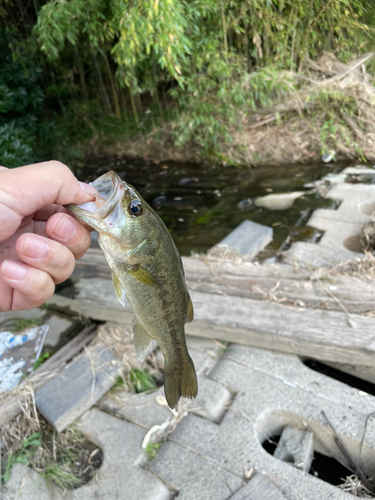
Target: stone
{"x":296,"y":446}
{"x":279,"y":201}
{"x":248,"y":239}
{"x":194,"y":477}
{"x":259,"y":488}
{"x":26,"y":484}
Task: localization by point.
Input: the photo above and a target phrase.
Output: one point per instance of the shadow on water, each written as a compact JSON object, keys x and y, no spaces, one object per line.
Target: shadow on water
{"x":199,"y":202}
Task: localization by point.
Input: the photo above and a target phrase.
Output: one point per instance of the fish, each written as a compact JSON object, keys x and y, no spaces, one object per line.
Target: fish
{"x":146,"y":269}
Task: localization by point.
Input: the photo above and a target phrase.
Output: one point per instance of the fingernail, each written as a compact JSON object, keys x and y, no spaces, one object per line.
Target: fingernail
{"x":36,"y":248}
{"x":13,"y":270}
{"x":89,"y":189}
{"x":64,"y":228}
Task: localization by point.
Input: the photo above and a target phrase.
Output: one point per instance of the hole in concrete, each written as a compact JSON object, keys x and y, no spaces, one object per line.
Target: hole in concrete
{"x":353,"y":243}
{"x":325,"y":468}
{"x":367,"y":208}
{"x":341,"y":376}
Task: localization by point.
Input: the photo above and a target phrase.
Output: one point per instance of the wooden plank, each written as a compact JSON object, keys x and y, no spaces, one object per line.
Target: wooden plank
{"x":77,"y":387}
{"x":276,"y":283}
{"x":317,"y":333}
{"x":12,"y":406}
{"x":259,"y":488}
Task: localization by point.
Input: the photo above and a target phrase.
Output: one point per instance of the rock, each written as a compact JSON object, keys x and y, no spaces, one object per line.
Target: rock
{"x":281,"y":201}
{"x":327,"y":157}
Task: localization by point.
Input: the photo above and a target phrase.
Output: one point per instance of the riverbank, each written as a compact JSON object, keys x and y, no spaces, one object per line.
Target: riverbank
{"x":329,"y":107}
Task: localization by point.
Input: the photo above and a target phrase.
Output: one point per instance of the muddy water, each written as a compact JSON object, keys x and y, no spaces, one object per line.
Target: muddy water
{"x":199,"y":202}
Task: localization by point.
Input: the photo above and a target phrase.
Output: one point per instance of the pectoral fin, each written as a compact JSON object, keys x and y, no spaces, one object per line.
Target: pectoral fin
{"x":119,"y":290}
{"x":190,"y":310}
{"x":143,"y":343}
{"x":144,"y":276}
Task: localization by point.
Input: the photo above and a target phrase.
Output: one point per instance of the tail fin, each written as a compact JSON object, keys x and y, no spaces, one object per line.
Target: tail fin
{"x":180,"y":381}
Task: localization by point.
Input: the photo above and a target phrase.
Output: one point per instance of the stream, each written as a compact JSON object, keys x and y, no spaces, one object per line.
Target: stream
{"x":202,"y":203}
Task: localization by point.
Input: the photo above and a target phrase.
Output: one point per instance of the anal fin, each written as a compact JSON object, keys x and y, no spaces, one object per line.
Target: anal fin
{"x":143,"y":343}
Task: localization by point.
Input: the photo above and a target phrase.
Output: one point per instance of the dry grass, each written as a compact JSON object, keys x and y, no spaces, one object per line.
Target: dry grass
{"x":355,"y":487}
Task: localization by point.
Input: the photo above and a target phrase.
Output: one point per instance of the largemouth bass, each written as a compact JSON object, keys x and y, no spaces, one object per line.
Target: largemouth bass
{"x":147,"y":268}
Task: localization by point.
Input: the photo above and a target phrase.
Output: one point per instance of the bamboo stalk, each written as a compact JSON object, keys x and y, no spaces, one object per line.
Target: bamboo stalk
{"x":135,"y":114}
{"x":101,"y":84}
{"x":113,"y":85}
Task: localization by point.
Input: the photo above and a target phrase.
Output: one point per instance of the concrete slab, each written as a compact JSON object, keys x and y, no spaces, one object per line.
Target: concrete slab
{"x":248,"y":239}
{"x":273,"y":391}
{"x":259,"y":488}
{"x":26,"y":484}
{"x":194,"y":477}
{"x":295,"y":446}
{"x":119,"y":477}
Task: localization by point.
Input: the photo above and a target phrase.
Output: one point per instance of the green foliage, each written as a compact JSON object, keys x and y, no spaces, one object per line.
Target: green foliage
{"x":57,"y":474}
{"x":151,"y":450}
{"x":41,"y":360}
{"x":23,"y":455}
{"x":140,"y":380}
{"x":202,"y":63}
{"x":20,"y":324}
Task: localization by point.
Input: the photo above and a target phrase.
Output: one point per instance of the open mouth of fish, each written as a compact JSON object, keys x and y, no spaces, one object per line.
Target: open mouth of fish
{"x":111,"y":189}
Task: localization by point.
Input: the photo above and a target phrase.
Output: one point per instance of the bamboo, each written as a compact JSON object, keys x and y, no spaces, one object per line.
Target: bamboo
{"x":101,"y":84}
{"x":135,"y":114}
{"x":113,"y":85}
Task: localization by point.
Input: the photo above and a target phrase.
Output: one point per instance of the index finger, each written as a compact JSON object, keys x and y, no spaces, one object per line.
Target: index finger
{"x":26,"y":190}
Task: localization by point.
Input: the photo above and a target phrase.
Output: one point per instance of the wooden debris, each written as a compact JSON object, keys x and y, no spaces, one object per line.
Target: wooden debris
{"x":11,"y":406}
{"x":317,"y":333}
{"x":77,"y":387}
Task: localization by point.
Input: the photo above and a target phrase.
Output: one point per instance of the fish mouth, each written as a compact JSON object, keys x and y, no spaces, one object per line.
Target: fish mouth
{"x":110,"y":189}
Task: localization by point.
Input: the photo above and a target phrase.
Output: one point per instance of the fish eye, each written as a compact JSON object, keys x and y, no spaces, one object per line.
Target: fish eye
{"x":135,"y":208}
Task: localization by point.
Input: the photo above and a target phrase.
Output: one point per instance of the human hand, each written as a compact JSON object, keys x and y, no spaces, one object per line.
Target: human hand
{"x":39,"y":240}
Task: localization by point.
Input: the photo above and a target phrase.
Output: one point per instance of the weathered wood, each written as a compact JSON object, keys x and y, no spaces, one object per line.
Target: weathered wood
{"x":259,"y":488}
{"x":12,"y":406}
{"x":248,"y":239}
{"x":77,"y":387}
{"x":317,"y":333}
{"x":276,"y":283}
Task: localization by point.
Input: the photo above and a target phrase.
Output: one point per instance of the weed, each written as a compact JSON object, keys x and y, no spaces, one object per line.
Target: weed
{"x":23,"y":455}
{"x":140,"y":380}
{"x":58,"y":475}
{"x":41,"y":360}
{"x":20,"y":324}
{"x":151,"y":450}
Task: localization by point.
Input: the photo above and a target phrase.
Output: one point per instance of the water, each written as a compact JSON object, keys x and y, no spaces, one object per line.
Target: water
{"x":199,"y":202}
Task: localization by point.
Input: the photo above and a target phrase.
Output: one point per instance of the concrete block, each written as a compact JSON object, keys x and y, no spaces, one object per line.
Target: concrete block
{"x":193,"y":476}
{"x":296,"y":446}
{"x":272,"y":392}
{"x":141,"y":409}
{"x":119,"y":477}
{"x":259,"y":488}
{"x":248,"y":239}
{"x":204,"y":353}
{"x":212,"y":400}
{"x":59,"y":325}
{"x":26,"y":484}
